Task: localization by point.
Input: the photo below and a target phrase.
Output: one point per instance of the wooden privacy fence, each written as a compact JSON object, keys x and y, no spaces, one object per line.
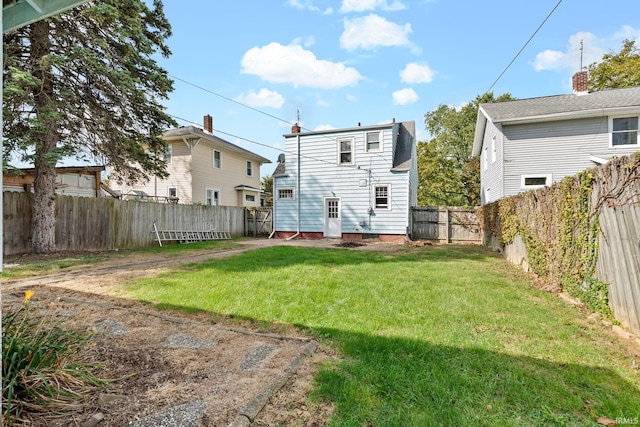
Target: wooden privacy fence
{"x":445,"y":224}
{"x":258,"y":221}
{"x":87,"y":223}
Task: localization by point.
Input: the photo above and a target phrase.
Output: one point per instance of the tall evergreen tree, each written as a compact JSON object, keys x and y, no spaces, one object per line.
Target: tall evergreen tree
{"x":85,"y":84}
{"x":447,"y":175}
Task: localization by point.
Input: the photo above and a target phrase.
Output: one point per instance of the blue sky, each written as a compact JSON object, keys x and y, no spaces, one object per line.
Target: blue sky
{"x":344,"y":62}
{"x":341,"y":62}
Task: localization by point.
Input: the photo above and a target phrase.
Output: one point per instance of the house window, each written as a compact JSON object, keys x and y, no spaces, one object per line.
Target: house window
{"x":168,"y":154}
{"x":249,"y":198}
{"x":624,"y":131}
{"x":286,"y":193}
{"x":346,"y":151}
{"x":487,"y":195}
{"x":493,"y":150}
{"x":373,"y":141}
{"x":486,"y":158}
{"x":534,"y":181}
{"x":212,"y":197}
{"x":217,"y":159}
{"x":173,"y":192}
{"x":381,"y":195}
{"x":249,"y":168}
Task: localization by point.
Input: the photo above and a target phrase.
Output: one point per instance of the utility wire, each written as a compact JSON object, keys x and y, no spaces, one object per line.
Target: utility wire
{"x":523,"y":47}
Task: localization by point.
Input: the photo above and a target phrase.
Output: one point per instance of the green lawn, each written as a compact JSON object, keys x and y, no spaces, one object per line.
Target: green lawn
{"x":442,"y":336}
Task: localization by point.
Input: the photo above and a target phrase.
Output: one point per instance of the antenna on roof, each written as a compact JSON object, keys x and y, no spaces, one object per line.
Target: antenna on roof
{"x":298,"y":115}
{"x":581,"y":52}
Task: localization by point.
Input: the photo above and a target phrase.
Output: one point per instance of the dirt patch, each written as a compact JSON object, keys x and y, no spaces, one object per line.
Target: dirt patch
{"x":214,"y":368}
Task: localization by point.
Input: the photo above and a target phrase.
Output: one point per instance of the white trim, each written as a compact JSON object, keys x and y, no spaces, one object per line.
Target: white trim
{"x":351,"y":141}
{"x":214,"y":159}
{"x":485,"y":161}
{"x":213,"y":198}
{"x":610,"y":130}
{"x":373,"y":190}
{"x":249,"y":165}
{"x":293,"y":193}
{"x":494,"y":154}
{"x":598,"y":160}
{"x":366,"y":142}
{"x":547,"y":176}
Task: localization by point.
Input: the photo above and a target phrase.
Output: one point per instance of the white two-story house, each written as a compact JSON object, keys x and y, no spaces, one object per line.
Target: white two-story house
{"x":351,"y":183}
{"x":529,"y":143}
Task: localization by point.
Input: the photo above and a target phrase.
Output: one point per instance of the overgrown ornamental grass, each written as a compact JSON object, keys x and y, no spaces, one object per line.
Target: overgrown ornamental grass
{"x":449,"y":336}
{"x":41,"y":370}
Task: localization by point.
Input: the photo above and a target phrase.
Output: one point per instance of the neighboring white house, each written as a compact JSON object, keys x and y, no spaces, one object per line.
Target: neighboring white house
{"x":349,"y":183}
{"x":530,"y":143}
{"x":203,"y":168}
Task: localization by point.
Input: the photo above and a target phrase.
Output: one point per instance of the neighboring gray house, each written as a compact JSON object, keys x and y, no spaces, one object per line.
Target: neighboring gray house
{"x":349,"y":183}
{"x":530,"y":143}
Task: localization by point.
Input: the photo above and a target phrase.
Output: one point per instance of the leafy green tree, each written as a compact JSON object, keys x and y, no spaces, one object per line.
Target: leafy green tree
{"x":447,"y":174}
{"x":621,"y":69}
{"x":267,"y":186}
{"x":85,"y":84}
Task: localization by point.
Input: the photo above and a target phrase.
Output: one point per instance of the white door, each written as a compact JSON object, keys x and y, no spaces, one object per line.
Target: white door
{"x":332,"y":221}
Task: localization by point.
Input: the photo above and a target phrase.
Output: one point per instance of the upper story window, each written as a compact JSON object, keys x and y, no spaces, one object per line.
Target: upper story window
{"x":624,"y":131}
{"x":485,"y":158}
{"x":286,"y":193}
{"x":494,"y":155}
{"x":373,"y":141}
{"x":168,"y":155}
{"x":249,"y":168}
{"x":217,"y":159}
{"x":345,"y":156}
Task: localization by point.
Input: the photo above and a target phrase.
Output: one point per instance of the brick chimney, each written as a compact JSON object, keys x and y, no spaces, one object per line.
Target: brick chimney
{"x":208,"y":123}
{"x":295,"y":129}
{"x":579,"y":81}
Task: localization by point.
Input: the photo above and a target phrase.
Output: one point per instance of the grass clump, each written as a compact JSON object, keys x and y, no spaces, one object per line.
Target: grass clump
{"x":41,"y":367}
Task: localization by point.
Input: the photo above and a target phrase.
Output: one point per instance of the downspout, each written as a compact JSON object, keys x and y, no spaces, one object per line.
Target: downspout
{"x":298,"y":185}
{"x":273,"y":207}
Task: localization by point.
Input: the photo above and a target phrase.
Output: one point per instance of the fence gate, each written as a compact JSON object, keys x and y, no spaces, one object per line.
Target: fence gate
{"x":445,"y":224}
{"x":258,"y":221}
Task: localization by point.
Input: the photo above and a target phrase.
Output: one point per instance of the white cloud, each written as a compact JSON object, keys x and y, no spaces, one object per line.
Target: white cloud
{"x":593,"y":49}
{"x":322,"y":103}
{"x":351,"y":98}
{"x":323,"y":127}
{"x":363,"y":5}
{"x":293,"y":64}
{"x":303,"y":4}
{"x":371,"y":31}
{"x":415,"y":73}
{"x":404,"y":96}
{"x":328,"y":11}
{"x":264,"y":98}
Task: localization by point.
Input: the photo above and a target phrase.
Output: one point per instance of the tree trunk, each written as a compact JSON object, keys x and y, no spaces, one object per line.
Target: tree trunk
{"x":44,"y":209}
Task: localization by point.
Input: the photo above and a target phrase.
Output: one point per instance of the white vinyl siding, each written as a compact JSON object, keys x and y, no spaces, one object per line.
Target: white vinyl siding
{"x":321,"y":177}
{"x":560,"y":149}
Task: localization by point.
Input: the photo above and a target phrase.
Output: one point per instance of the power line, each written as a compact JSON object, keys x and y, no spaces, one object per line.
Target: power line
{"x":523,"y":47}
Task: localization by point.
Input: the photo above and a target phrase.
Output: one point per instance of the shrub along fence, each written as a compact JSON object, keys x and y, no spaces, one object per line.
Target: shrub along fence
{"x":86,"y":223}
{"x":581,"y":234}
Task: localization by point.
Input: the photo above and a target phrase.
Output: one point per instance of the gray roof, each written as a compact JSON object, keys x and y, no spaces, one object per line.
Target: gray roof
{"x":404,"y":146}
{"x":192,"y":131}
{"x":531,"y":108}
{"x":558,"y":107}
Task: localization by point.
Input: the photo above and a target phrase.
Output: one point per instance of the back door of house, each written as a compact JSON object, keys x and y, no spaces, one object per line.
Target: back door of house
{"x":332,"y":219}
